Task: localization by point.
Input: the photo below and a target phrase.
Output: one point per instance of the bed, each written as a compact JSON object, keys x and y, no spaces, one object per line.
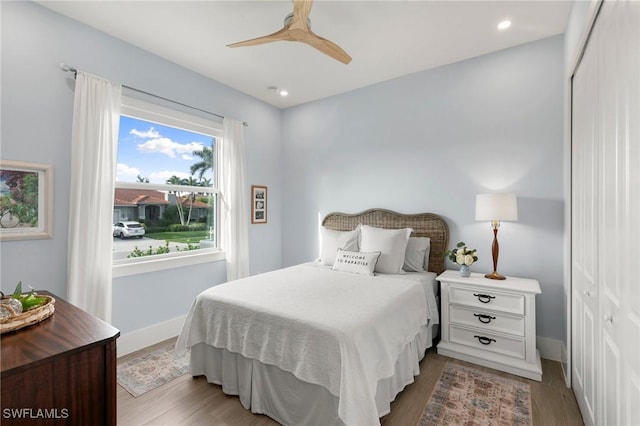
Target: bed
{"x":310,"y":345}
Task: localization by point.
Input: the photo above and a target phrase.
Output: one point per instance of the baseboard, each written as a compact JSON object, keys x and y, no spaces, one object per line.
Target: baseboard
{"x":136,"y":340}
{"x":564,"y":363}
{"x":550,"y":348}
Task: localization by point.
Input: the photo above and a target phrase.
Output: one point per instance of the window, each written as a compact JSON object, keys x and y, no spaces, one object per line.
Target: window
{"x":165,"y":211}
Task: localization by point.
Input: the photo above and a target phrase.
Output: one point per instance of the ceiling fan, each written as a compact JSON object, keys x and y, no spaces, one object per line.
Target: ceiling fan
{"x":297,"y":27}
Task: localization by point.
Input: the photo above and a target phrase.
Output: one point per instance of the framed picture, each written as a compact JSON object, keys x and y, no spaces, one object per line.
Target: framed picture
{"x":258,"y":204}
{"x":26,"y":200}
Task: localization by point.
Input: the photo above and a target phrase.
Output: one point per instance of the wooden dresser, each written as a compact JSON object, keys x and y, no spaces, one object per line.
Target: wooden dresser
{"x":59,"y":371}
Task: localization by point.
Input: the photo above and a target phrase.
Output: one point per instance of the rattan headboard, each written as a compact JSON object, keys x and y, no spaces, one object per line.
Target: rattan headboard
{"x":423,"y":225}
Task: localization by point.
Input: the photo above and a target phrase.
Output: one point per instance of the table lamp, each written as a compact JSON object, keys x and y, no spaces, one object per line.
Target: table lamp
{"x":496,"y":208}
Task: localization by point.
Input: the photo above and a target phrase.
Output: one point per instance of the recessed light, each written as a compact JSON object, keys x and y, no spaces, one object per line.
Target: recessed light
{"x":277,"y":91}
{"x":503,"y":25}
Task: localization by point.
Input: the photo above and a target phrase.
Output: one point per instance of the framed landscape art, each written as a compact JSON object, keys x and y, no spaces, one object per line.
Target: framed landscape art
{"x":258,"y":204}
{"x":26,"y":200}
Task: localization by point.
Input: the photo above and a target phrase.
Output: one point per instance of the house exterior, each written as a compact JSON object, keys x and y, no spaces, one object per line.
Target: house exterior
{"x":138,"y":204}
{"x":149,"y":205}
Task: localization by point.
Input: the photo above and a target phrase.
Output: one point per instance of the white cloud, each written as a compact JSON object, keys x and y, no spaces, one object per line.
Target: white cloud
{"x":123,"y":171}
{"x":187,"y":157}
{"x":162,"y":176}
{"x":168,"y":147}
{"x":146,"y":134}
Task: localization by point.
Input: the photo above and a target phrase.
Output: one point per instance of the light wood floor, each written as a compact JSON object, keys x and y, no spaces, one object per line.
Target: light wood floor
{"x":193,"y":401}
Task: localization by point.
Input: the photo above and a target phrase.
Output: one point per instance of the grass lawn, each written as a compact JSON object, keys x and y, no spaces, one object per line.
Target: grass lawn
{"x":192,"y":237}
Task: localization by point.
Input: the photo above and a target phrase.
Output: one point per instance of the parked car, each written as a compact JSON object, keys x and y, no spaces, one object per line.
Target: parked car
{"x":128,"y":229}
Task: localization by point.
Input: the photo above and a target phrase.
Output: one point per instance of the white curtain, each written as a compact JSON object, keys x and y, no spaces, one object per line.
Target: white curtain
{"x":94,"y":145}
{"x":234,"y":210}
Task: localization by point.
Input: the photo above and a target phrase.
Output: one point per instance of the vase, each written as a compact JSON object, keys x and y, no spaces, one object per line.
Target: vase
{"x":464,"y":271}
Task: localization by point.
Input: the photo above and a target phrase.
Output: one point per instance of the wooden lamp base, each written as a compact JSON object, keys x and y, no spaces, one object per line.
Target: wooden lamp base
{"x":495,"y":250}
{"x":495,"y":276}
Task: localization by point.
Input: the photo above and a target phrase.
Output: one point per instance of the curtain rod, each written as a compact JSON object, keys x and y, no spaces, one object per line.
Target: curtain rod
{"x":66,"y":68}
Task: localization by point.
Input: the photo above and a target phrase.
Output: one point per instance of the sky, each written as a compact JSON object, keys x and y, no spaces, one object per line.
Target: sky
{"x":156,"y":152}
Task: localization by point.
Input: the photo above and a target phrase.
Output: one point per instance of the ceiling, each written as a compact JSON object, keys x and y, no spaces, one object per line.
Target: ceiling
{"x":386,"y":39}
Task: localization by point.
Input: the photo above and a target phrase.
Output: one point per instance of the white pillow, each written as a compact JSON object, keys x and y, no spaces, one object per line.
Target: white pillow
{"x":334,"y":240}
{"x":356,"y":261}
{"x":416,"y":258}
{"x":391,"y":243}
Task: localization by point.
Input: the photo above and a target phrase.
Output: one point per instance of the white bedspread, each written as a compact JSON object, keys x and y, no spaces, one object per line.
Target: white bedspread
{"x":339,"y":330}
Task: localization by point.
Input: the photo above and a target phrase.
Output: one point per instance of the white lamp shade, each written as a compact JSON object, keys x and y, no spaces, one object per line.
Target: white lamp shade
{"x":497,"y":207}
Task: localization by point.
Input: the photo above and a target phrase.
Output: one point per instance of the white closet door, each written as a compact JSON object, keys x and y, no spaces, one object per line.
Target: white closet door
{"x":630,"y":329}
{"x":606,"y":219}
{"x":619,"y":73}
{"x":610,"y":216}
{"x":584,"y":232}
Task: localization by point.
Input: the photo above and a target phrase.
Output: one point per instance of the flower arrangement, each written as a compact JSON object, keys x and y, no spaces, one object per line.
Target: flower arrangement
{"x":462,"y":255}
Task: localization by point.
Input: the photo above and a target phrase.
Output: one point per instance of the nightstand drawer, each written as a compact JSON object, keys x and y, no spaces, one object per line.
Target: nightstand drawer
{"x":488,"y":341}
{"x":487,"y":299}
{"x":484,"y":320}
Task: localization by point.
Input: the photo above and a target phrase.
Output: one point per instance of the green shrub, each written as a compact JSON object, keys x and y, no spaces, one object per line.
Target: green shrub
{"x":176,"y":227}
{"x":160,"y":250}
{"x":150,"y":252}
{"x":154,"y":229}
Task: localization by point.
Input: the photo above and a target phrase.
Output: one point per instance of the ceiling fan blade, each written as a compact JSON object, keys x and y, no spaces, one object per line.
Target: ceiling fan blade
{"x":297,"y":28}
{"x":327,"y":47}
{"x":283,"y":34}
{"x":301,"y":11}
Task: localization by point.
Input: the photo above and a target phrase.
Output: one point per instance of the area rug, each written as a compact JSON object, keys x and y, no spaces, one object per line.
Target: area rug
{"x":142,"y":374}
{"x":470,"y":397}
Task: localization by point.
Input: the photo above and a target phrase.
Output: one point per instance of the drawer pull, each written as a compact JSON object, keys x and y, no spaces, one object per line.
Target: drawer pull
{"x":484,"y":340}
{"x":485,"y":319}
{"x":484,"y":298}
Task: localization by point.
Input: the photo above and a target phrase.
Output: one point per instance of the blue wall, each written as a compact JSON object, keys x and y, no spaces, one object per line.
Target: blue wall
{"x":431,"y":141}
{"x":37,"y":108}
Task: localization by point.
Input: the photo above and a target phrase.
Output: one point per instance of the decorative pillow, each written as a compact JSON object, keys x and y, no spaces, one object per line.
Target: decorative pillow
{"x":416,"y":258}
{"x":391,"y":243}
{"x":356,"y":262}
{"x":334,"y":240}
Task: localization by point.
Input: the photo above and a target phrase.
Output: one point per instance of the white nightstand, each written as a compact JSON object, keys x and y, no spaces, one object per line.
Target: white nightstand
{"x":490,"y":322}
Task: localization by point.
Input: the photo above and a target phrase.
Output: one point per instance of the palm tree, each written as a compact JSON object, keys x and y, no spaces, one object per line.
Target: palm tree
{"x":143,"y":179}
{"x":206,"y":162}
{"x":201,"y":167}
{"x":175,"y":180}
{"x":190,"y":181}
